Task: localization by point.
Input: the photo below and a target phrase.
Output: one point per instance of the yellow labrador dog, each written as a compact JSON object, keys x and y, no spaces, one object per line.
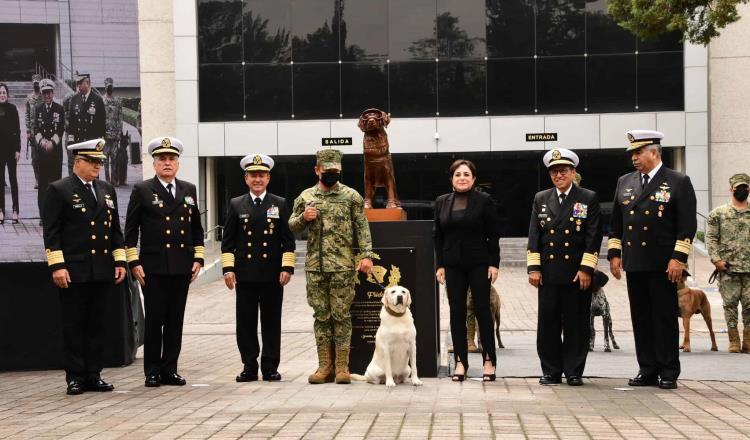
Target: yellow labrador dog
{"x":395,"y":342}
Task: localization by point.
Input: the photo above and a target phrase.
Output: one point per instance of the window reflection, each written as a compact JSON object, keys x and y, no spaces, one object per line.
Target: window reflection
{"x":316,"y":91}
{"x":510,"y":86}
{"x":461,"y":88}
{"x":220,"y":30}
{"x":560,"y":27}
{"x":363,"y":86}
{"x":268,"y":92}
{"x":411,"y":33}
{"x":412,"y":87}
{"x":364,"y":30}
{"x":660,"y":82}
{"x":220,"y":93}
{"x":667,"y":42}
{"x":510,"y":28}
{"x":265,"y":31}
{"x":315,"y":30}
{"x":460,"y":28}
{"x":560,"y":85}
{"x":611,"y":83}
{"x":603,"y":35}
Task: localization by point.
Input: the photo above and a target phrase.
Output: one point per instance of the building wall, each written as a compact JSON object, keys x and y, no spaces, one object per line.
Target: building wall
{"x":729,"y":64}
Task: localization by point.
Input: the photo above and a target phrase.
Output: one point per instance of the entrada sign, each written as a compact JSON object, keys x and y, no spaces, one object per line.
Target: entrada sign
{"x":541,"y":137}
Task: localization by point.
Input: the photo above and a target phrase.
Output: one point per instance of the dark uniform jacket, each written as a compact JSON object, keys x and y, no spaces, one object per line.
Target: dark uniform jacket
{"x":171,"y":233}
{"x":257,"y":243}
{"x":80,"y":234}
{"x":469,"y":241}
{"x":50,"y":125}
{"x":87,"y":118}
{"x":564,"y":239}
{"x":652,"y":226}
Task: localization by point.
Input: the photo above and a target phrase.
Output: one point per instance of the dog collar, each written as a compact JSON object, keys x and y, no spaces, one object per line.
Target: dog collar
{"x":392,"y":313}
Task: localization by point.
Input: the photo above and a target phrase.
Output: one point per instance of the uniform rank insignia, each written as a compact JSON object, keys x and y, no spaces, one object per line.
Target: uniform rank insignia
{"x":244,"y":215}
{"x":156,"y":200}
{"x":110,"y":203}
{"x":272,"y":212}
{"x":580,"y":210}
{"x":56,"y":118}
{"x":189,"y":200}
{"x":662,"y":196}
{"x":78,"y":205}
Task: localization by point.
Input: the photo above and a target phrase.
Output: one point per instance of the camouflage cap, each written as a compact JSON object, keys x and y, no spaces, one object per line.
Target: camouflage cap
{"x":108,"y":82}
{"x":739,"y":179}
{"x":578,"y":178}
{"x":35,"y":78}
{"x":329,"y":159}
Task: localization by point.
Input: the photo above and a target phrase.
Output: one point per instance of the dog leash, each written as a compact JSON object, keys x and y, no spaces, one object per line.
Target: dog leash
{"x":715,"y":274}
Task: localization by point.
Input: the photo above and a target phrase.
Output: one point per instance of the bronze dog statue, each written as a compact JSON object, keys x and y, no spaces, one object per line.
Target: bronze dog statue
{"x":378,"y":164}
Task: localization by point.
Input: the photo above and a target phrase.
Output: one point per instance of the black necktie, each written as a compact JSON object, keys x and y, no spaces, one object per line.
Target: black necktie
{"x":258,"y":201}
{"x":645,"y":181}
{"x":90,"y":188}
{"x":170,"y":199}
{"x":562,"y":198}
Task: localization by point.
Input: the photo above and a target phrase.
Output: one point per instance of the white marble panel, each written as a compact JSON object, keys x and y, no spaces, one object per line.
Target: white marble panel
{"x":509,"y":133}
{"x":188,"y":134}
{"x":243,"y":138}
{"x":211,"y":139}
{"x":614,"y":126}
{"x":696,"y":166}
{"x":696,"y":128}
{"x":185,"y":21}
{"x":576,"y":132}
{"x":672,"y":124}
{"x":463,"y":134}
{"x":348,"y":128}
{"x":696,"y":89}
{"x":416,"y":135}
{"x":302,"y":137}
{"x":186,"y":58}
{"x":187,"y":102}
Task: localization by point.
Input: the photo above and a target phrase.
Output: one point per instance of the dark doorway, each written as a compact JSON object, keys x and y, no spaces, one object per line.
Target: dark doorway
{"x":22,"y":47}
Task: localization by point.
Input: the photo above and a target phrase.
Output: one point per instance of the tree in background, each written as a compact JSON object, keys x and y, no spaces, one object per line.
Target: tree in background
{"x":698,"y":20}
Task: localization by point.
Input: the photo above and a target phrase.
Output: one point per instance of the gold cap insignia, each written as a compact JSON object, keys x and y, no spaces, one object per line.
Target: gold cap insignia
{"x":257,"y":160}
{"x":631,"y":138}
{"x":166,"y":143}
{"x":100,"y":146}
{"x":556,"y":155}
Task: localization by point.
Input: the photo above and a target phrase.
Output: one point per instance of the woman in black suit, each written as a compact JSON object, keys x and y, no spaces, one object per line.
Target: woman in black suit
{"x":10,"y":150}
{"x":468,"y":255}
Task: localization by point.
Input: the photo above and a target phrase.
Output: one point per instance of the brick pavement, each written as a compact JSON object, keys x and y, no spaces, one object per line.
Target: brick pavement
{"x":34,"y":405}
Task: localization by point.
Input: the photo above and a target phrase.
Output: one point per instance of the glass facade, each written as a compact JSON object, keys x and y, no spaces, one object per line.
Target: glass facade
{"x":512,"y":178}
{"x":324,"y":59}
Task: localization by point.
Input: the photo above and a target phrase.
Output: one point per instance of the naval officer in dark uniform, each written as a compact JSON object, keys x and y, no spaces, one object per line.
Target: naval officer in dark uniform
{"x":48,"y":124}
{"x":86,"y":113}
{"x":652,"y":228}
{"x":258,"y":258}
{"x":86,"y":254}
{"x":164,"y":212}
{"x":565,"y":235}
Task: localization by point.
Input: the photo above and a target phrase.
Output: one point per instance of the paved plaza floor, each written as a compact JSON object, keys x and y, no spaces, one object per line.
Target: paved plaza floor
{"x":713,"y":400}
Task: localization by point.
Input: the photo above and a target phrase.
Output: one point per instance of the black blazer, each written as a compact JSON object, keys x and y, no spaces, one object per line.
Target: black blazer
{"x":564,"y":239}
{"x":171,"y":233}
{"x":81,"y":234}
{"x":654,"y":225}
{"x":257,"y":242}
{"x":470,"y":241}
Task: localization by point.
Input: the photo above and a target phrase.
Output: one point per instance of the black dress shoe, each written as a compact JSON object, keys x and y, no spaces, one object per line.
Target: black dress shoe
{"x":574,"y":381}
{"x":272,"y":376}
{"x":75,"y":387}
{"x":642,"y":381}
{"x":153,"y":380}
{"x":172,"y":379}
{"x":667,"y":384}
{"x":548,"y":379}
{"x":99,"y":385}
{"x":246,"y":376}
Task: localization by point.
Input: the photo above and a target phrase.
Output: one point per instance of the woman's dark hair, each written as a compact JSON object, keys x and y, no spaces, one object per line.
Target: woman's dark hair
{"x":6,"y":89}
{"x":458,"y":162}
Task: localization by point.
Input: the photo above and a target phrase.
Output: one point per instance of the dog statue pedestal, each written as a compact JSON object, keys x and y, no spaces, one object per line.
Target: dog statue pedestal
{"x":385,"y":214}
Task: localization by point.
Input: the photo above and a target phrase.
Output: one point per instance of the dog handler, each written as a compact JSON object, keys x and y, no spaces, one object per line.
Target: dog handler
{"x":565,"y":235}
{"x":334,"y":215}
{"x":730,"y":253}
{"x":652,"y":228}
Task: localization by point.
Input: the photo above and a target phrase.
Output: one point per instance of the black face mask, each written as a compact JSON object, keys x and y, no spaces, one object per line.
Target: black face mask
{"x":329,"y":179}
{"x":36,"y":88}
{"x":740,"y":193}
{"x":109,"y":90}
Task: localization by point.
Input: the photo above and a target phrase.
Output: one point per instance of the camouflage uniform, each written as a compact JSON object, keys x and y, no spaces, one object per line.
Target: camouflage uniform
{"x":32,"y":100}
{"x":726,"y":226}
{"x":113,"y":131}
{"x":330,"y":264}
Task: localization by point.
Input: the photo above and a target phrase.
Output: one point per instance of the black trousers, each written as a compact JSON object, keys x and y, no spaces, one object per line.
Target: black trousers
{"x":9,"y":162}
{"x":50,"y":170}
{"x":563,"y":309}
{"x":164,"y":297}
{"x":653,"y":311}
{"x":84,"y":311}
{"x":458,"y":280}
{"x":268,"y":297}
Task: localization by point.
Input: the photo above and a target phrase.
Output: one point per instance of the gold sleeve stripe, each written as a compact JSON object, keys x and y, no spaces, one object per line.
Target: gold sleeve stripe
{"x":119,"y":254}
{"x":227,"y":260}
{"x":287,"y":259}
{"x":614,"y":243}
{"x":132,"y":254}
{"x":683,"y":246}
{"x":589,"y":260}
{"x":199,"y":252}
{"x":54,"y":257}
{"x":638,"y":144}
{"x":533,"y":258}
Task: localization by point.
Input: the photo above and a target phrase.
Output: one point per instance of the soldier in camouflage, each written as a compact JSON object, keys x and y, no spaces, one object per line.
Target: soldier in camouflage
{"x":32,"y":101}
{"x":334,"y":214}
{"x":113,"y":131}
{"x":729,"y":249}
